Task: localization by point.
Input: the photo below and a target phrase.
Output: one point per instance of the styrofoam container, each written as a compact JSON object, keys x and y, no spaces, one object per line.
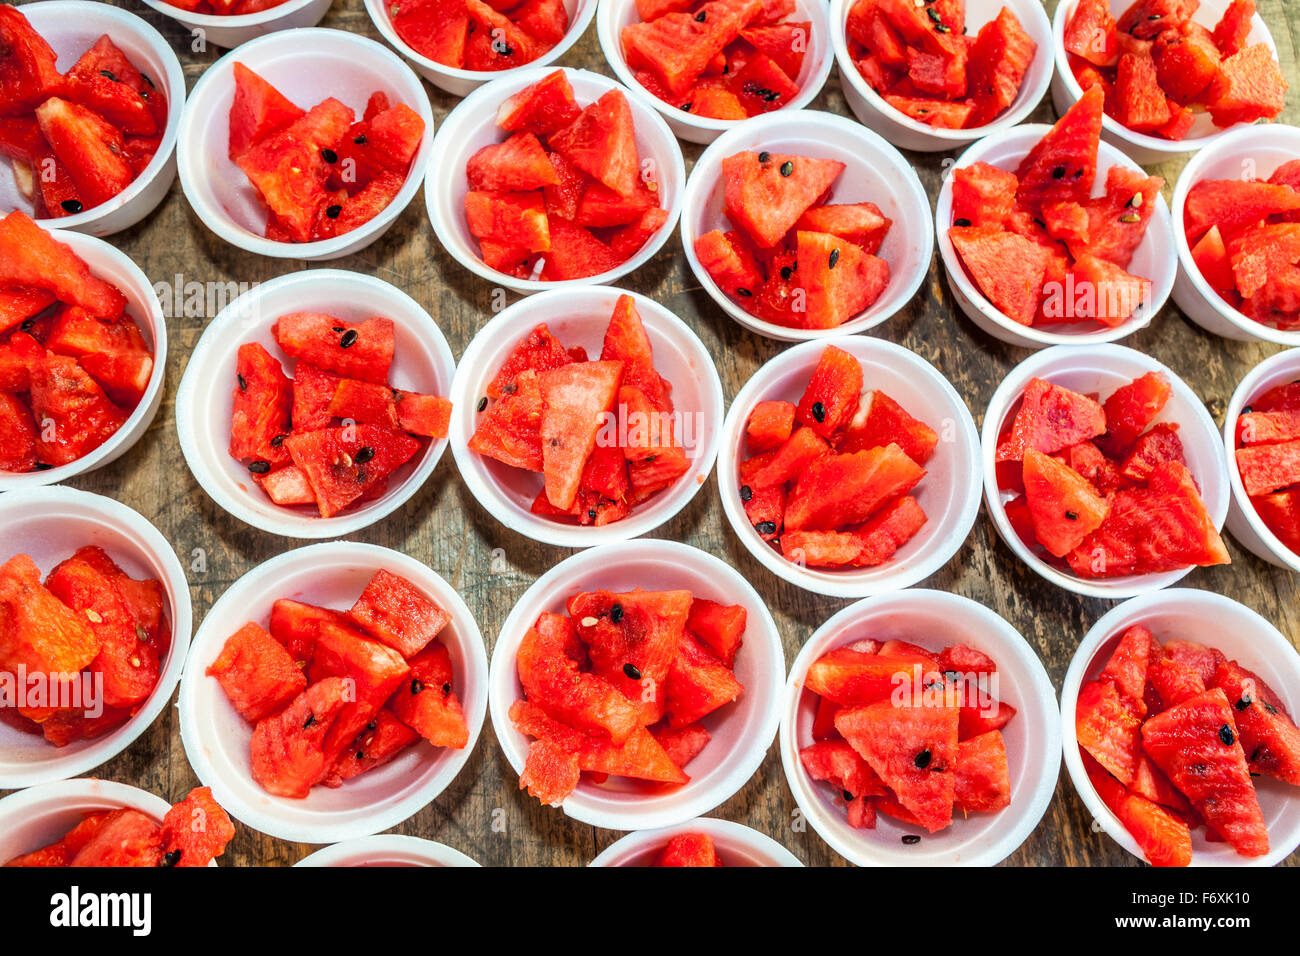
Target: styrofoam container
{"x":71,"y":27}
{"x":579,"y":317}
{"x":228,"y":32}
{"x":41,"y":815}
{"x":460,"y":82}
{"x":1189,"y":614}
{"x":933,"y":619}
{"x":1101,"y":369}
{"x":742,"y":731}
{"x":949,"y":493}
{"x":216,"y":737}
{"x":735,"y":844}
{"x":1247,"y":152}
{"x":906,"y":133}
{"x":614,"y":15}
{"x":471,"y":125}
{"x":112,"y":265}
{"x":387,"y":849}
{"x":1153,"y":259}
{"x":1244,"y":521}
{"x":874,"y":171}
{"x":422,"y":363}
{"x":307,"y":66}
{"x":48,"y":525}
{"x":1142,"y":147}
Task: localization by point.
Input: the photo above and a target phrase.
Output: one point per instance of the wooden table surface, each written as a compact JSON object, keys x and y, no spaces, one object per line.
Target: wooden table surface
{"x":447,"y":529}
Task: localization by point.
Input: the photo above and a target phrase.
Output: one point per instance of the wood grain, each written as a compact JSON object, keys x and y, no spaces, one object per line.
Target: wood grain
{"x":447,"y":529}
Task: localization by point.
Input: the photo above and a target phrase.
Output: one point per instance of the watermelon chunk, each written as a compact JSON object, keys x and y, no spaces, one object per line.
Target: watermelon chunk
{"x":74,"y":414}
{"x":729,"y":264}
{"x":847,"y":489}
{"x":373,"y":672}
{"x":1163,"y":838}
{"x":787,"y":462}
{"x":1008,"y":268}
{"x":1269,"y":739}
{"x":983,"y":783}
{"x":770,"y":425}
{"x":437,"y":29}
{"x":698,"y":684}
{"x":841,"y":281}
{"x":258,"y":110}
{"x":372,"y":748}
{"x":510,"y":431}
{"x":124,"y":838}
{"x":1065,"y":507}
{"x":344,"y":464}
{"x":31,"y":256}
{"x":1250,"y":86}
{"x":362,"y":350}
{"x":262,"y":407}
{"x":1196,"y":744}
{"x":427,"y":703}
{"x":1070,"y":146}
{"x":28,"y":70}
{"x":543,"y":108}
{"x":831,"y":397}
{"x":999,"y":58}
{"x":689,"y":849}
{"x":520,"y":163}
{"x":196,"y":831}
{"x":766,"y":193}
{"x":1051,"y":418}
{"x":398,"y":613}
{"x":678,"y":46}
{"x":288,"y":753}
{"x":1108,"y":725}
{"x":861,"y":223}
{"x":1091,"y":33}
{"x":577,"y":397}
{"x":1268,"y":468}
{"x":601,"y":142}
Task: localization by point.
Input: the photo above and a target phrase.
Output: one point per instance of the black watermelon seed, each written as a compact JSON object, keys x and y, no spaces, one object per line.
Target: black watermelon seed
{"x":482,"y":404}
{"x":616,"y":612}
{"x":42,"y":466}
{"x":772,"y":97}
{"x":744,"y":293}
{"x":361,"y":755}
{"x":260,"y":467}
{"x":1058,"y":172}
{"x":278,"y":440}
{"x":765,"y":527}
{"x":963,"y":222}
{"x":787,"y":168}
{"x":108,"y":74}
{"x":446,"y":689}
{"x":27,"y":326}
{"x":329,"y":156}
{"x":333,"y":211}
{"x":416,"y":685}
{"x":847,"y":796}
{"x":1227,"y":736}
{"x":1270,"y":708}
{"x":363,"y":455}
{"x":360,"y":140}
{"x":591,"y":513}
{"x":1243,"y":703}
{"x":911,"y":839}
{"x":934,"y":15}
{"x":145,"y":77}
{"x":786,"y":272}
{"x":372,"y":725}
{"x":170,"y":858}
{"x":243,"y":382}
{"x":819,"y":412}
{"x":1072,"y":516}
{"x":338,"y":329}
{"x":763,"y":157}
{"x":349,"y":339}
{"x":686,"y":107}
{"x":943,"y":28}
{"x":922,"y":760}
{"x":746,"y":493}
{"x":72,"y":206}
{"x":834,"y":258}
{"x":311,"y":719}
{"x":701,"y":16}
{"x":631,"y":670}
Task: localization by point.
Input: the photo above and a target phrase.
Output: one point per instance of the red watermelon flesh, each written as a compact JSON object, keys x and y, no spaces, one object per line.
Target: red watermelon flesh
{"x":1064,"y":506}
{"x":879,"y":420}
{"x":913,"y":749}
{"x":1196,"y":744}
{"x":576,"y":399}
{"x":1160,"y":444}
{"x":344,"y":464}
{"x":840,"y":280}
{"x":1231,"y":204}
{"x":835,"y":490}
{"x":1234,"y":26}
{"x":601,"y":142}
{"x":1071,"y":147}
{"x":88,"y":147}
{"x":831,"y":397}
{"x":510,"y":431}
{"x":258,"y":110}
{"x":1051,"y":418}
{"x":319,"y":339}
{"x":837,"y":763}
{"x":689,"y":849}
{"x":1007,"y":268}
{"x":539,"y":351}
{"x":1108,"y":725}
{"x":1265,"y":469}
{"x":1131,"y":408}
{"x":437,"y":29}
{"x":543,"y":108}
{"x":862,"y":223}
{"x":1163,"y":838}
{"x":678,"y":46}
{"x":262,"y":406}
{"x":1249,"y":87}
{"x":1269,"y":739}
{"x":698,"y":684}
{"x":1174,"y":681}
{"x":983,"y":780}
{"x":257,"y":673}
{"x":1091,"y":33}
{"x":999,"y":58}
{"x":288,"y":753}
{"x":1281,"y":512}
{"x":728,"y":263}
{"x":766,"y":193}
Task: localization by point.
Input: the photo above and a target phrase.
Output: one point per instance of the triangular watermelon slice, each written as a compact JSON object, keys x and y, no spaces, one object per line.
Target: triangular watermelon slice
{"x":510,"y":431}
{"x":344,"y":464}
{"x":1108,"y":726}
{"x":1007,"y":268}
{"x":257,"y":111}
{"x":1065,"y":507}
{"x":602,"y":143}
{"x":577,"y":398}
{"x":1270,"y":740}
{"x":1062,"y":165}
{"x":678,"y":46}
{"x":1051,"y":418}
{"x":914,"y":751}
{"x":626,"y":341}
{"x":1195,"y":743}
{"x":840,"y":279}
{"x":766,"y":193}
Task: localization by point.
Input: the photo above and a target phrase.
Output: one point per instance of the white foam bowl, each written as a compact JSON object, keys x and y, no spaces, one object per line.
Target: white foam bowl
{"x":742,"y":731}
{"x":579,"y":317}
{"x":228,"y":32}
{"x":903,"y":131}
{"x":1153,"y":259}
{"x":1240,"y":153}
{"x":735,"y":844}
{"x":111,"y":265}
{"x":1189,"y":614}
{"x":71,"y":27}
{"x":44,"y":814}
{"x":387,"y":849}
{"x":933,"y":619}
{"x":1244,"y":521}
{"x":422,"y":362}
{"x":874,"y":171}
{"x":307,"y":66}
{"x":949,"y":493}
{"x":471,"y":125}
{"x":460,"y":82}
{"x":1142,"y":147}
{"x":216,"y":737}
{"x":49,"y":524}
{"x":1101,"y":369}
{"x":614,"y":15}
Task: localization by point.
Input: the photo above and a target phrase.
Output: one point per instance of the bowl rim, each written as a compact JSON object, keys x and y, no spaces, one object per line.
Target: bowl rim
{"x":1158,"y":228}
{"x":218,"y":339}
{"x":177,"y":591}
{"x":260,"y":18}
{"x":910,"y":192}
{"x":1004,"y":397}
{"x":222,"y":225}
{"x":866,"y":852}
{"x":502,"y":683}
{"x":437,"y":184}
{"x":376,"y":846}
{"x":851,"y":584}
{"x":315,"y":826}
{"x":1111,"y":624}
{"x":755,"y":840}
